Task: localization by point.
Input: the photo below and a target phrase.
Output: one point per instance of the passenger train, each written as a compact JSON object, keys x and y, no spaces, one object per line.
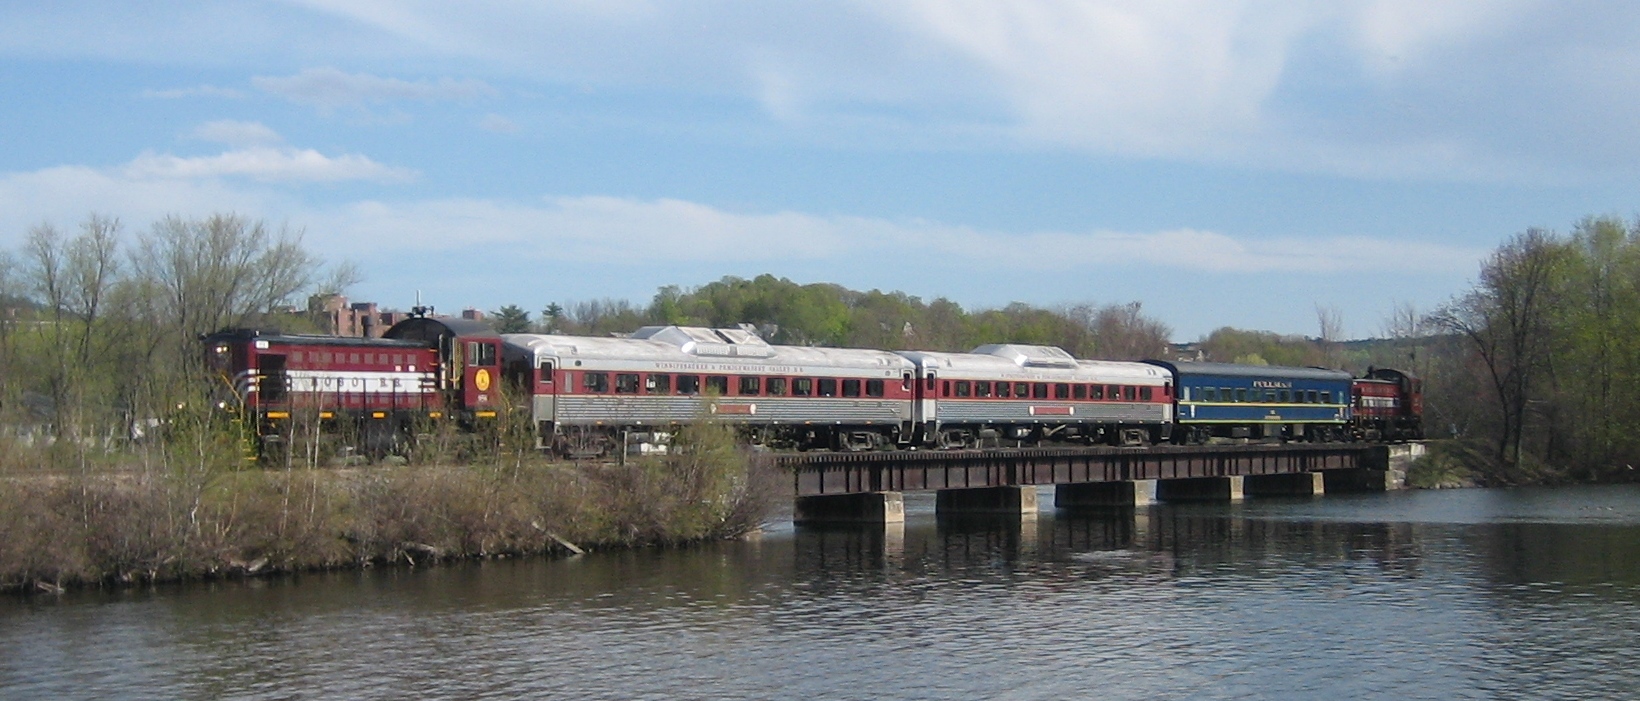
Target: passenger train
{"x":588,"y":396}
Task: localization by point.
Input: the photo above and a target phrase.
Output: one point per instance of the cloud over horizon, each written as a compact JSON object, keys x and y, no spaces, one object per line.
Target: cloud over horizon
{"x":329,"y":88}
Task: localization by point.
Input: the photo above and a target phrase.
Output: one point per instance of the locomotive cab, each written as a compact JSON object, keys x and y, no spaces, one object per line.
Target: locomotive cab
{"x":469,"y":371}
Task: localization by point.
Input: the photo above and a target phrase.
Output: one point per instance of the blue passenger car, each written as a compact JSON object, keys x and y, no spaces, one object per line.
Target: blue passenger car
{"x":1222,"y":400}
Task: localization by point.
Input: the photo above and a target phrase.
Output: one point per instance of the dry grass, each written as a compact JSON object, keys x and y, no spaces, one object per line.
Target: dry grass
{"x":193,"y":508}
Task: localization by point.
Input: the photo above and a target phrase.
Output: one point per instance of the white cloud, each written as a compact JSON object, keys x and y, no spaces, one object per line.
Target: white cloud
{"x":235,"y":133}
{"x":197,"y":91}
{"x":329,"y":88}
{"x":671,"y":231}
{"x":498,"y":124}
{"x":265,"y":164}
{"x":1397,"y":88}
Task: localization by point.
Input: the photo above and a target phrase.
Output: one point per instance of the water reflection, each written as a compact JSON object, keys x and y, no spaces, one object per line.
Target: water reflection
{"x":1434,"y":595}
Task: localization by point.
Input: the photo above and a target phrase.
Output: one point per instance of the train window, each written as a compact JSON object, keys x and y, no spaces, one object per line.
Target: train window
{"x":353,"y":358}
{"x":1210,"y":394}
{"x":874,"y":388}
{"x":828,"y":387}
{"x":688,"y":384}
{"x":479,"y":354}
{"x":717,"y":385}
{"x":1130,"y":393}
{"x":545,"y":376}
{"x":1286,"y":396}
{"x":1309,"y":396}
{"x":851,"y":388}
{"x":1022,"y":389}
{"x":905,"y":381}
{"x":1241,"y":394}
{"x":1003,"y":389}
{"x":776,"y":386}
{"x":596,"y":382}
{"x":928,"y":384}
{"x":751,"y":386}
{"x":802,"y":387}
{"x":945,"y":388}
{"x":626,"y":383}
{"x":1039,"y":390}
{"x":1145,"y":394}
{"x":982,"y":389}
{"x":296,"y":356}
{"x":1096,"y":391}
{"x":964,"y":388}
{"x":658,"y":384}
{"x":1061,"y":391}
{"x":1326,"y":397}
{"x":1079,"y":392}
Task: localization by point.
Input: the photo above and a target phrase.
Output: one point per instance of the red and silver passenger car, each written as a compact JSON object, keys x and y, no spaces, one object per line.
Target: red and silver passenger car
{"x":587,"y":395}
{"x":1030,"y":394}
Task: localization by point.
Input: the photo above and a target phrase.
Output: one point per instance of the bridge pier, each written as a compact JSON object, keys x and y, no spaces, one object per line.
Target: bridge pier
{"x":1201,"y":489}
{"x":1295,"y":484}
{"x":1383,"y":469}
{"x":1104,"y":494}
{"x":868,"y":507}
{"x":987,"y":500}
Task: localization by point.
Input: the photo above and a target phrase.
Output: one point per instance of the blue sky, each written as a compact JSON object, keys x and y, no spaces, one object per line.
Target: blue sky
{"x":1224,"y":163}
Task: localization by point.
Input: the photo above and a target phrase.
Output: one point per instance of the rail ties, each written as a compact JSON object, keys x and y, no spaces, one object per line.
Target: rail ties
{"x":914,"y":470}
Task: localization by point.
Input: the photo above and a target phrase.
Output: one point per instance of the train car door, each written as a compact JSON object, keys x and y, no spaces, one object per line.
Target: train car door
{"x":928,"y":406}
{"x":481,"y":377}
{"x":272,"y":380}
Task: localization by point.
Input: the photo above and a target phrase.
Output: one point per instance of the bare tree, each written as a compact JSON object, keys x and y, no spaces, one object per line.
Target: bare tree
{"x":1507,"y":320}
{"x":220,"y":271}
{"x":1122,"y":331}
{"x":1330,"y":323}
{"x":92,"y":267}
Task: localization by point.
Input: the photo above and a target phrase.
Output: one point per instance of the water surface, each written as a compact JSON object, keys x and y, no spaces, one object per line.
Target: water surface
{"x":1453,"y":594}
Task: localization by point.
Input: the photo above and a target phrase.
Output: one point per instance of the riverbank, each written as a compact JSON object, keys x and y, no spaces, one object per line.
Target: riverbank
{"x":196,"y":511}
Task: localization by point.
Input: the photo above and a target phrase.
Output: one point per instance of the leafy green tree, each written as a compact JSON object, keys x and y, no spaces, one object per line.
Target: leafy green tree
{"x":511,"y":319}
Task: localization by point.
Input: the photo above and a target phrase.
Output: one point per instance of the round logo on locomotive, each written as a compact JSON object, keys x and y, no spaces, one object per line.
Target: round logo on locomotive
{"x":482,"y":380}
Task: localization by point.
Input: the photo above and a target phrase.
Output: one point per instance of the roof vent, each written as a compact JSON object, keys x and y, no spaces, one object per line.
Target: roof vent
{"x":1029,"y":356}
{"x":705,"y":342}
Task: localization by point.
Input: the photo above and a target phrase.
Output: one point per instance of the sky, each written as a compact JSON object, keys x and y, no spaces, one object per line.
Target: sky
{"x":1224,"y":162}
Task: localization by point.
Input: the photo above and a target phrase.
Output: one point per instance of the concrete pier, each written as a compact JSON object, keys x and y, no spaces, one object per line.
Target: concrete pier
{"x":1294,"y":484}
{"x":1201,"y":489}
{"x":987,"y":500}
{"x":1384,"y":469}
{"x":869,"y":507}
{"x":1104,"y":494}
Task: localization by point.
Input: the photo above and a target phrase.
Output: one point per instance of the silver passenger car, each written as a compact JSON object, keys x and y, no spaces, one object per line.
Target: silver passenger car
{"x":1032,"y":393}
{"x":589,"y":389}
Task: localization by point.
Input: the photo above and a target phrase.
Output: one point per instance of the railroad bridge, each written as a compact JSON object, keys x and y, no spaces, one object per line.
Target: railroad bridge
{"x":869,"y":486}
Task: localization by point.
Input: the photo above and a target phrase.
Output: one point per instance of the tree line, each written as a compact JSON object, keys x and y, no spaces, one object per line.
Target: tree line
{"x":1535,"y":364}
{"x":1542,"y":355}
{"x":825,"y":314}
{"x":99,"y":331}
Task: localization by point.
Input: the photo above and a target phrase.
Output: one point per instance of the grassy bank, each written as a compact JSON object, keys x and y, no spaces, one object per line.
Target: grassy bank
{"x":193,"y":508}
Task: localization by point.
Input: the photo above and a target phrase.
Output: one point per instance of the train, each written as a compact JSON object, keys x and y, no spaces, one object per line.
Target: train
{"x":594,"y":396}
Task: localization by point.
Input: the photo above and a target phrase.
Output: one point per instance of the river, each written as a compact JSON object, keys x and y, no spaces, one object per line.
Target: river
{"x":1495,"y":594}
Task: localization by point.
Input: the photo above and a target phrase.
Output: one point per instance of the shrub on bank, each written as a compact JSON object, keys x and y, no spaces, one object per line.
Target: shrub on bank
{"x":195,"y":508}
{"x":1446,"y":465}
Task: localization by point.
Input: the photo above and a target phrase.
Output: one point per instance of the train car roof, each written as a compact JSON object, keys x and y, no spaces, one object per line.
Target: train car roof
{"x":429,"y":328}
{"x":1184,"y":369}
{"x":681,"y":344}
{"x":997,"y":360}
{"x":272,"y":337}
